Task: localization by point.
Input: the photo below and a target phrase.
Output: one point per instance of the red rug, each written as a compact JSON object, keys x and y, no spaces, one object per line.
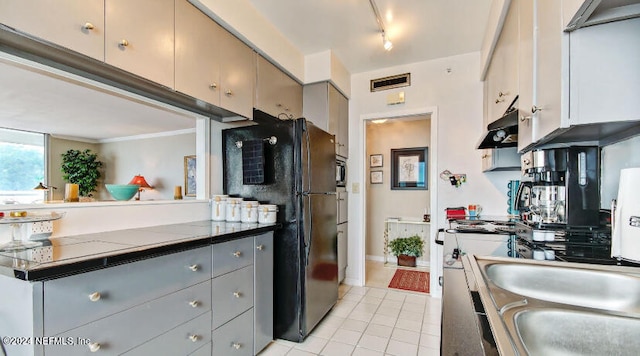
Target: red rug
{"x":414,"y":281}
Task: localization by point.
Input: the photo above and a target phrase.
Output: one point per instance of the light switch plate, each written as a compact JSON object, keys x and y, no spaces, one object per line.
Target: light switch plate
{"x":395,"y":98}
{"x":355,"y":188}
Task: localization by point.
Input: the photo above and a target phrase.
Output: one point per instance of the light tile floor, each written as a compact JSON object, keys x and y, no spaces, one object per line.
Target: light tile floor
{"x":372,"y":320}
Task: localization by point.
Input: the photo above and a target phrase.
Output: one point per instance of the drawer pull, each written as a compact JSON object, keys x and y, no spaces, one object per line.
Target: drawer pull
{"x":237,"y":294}
{"x":194,"y":303}
{"x":94,"y":346}
{"x":88,"y":26}
{"x":94,"y":297}
{"x":213,"y":85}
{"x":194,"y":267}
{"x":260,"y":247}
{"x":228,"y":93}
{"x":123,"y":43}
{"x":194,"y":338}
{"x":236,"y":345}
{"x":237,"y":254}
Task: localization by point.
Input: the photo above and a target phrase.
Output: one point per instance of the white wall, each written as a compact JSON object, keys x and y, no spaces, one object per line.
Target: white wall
{"x":382,"y":201}
{"x":456,"y":97}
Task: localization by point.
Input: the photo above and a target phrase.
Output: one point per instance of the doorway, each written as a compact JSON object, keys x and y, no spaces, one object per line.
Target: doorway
{"x":381,"y":134}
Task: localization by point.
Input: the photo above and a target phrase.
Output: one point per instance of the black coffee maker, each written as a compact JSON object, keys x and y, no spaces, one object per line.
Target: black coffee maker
{"x":563,"y":189}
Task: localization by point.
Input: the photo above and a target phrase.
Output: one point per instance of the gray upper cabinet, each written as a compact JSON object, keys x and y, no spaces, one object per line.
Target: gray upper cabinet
{"x":197,"y":54}
{"x":277,"y":94}
{"x":328,"y":109}
{"x":140,"y":38}
{"x":77,"y":25}
{"x":237,"y":75}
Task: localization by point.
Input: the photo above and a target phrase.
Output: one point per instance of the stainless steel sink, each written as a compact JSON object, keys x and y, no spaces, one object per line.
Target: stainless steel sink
{"x":562,"y":332}
{"x":556,"y":308}
{"x":573,"y":286}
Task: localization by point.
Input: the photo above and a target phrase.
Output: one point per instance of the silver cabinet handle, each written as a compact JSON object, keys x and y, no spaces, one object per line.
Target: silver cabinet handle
{"x":535,"y":109}
{"x":194,"y":338}
{"x":194,"y":267}
{"x":213,"y":85}
{"x":94,"y":346}
{"x":88,"y":26}
{"x":237,"y":294}
{"x":228,"y":92}
{"x":194,"y":303}
{"x":498,"y":101}
{"x":501,"y":94}
{"x":94,"y":297}
{"x":260,"y":247}
{"x":525,"y":118}
{"x":237,"y":254}
{"x":236,"y":345}
{"x":123,"y":43}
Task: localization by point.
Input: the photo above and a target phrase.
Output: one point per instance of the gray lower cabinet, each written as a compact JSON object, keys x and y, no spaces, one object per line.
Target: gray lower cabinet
{"x":186,"y":338}
{"x":263,"y":292}
{"x":202,"y":301}
{"x":233,"y":338}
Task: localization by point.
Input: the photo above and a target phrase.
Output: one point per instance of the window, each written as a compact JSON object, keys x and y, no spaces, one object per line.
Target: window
{"x":22,"y":162}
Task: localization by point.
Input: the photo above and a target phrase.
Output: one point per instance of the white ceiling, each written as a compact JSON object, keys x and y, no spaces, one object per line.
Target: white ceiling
{"x":419,"y":29}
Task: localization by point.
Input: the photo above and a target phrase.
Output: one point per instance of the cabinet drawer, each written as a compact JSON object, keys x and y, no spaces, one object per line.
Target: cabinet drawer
{"x":123,"y":331}
{"x":68,"y":301}
{"x":232,"y":295}
{"x":203,"y":351}
{"x":184,"y":339}
{"x":234,"y":338}
{"x":232,"y":255}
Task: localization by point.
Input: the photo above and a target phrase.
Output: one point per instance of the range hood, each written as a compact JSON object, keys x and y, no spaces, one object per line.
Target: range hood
{"x":502,"y":132}
{"x":595,"y":12}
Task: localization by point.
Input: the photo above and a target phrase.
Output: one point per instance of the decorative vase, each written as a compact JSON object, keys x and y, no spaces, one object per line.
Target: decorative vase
{"x":406,"y":261}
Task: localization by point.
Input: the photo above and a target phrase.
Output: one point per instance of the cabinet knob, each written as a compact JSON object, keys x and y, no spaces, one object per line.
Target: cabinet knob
{"x":260,"y":247}
{"x":501,"y":94}
{"x":213,"y":85}
{"x":524,"y":118}
{"x":194,"y":338}
{"x":498,"y":101}
{"x":88,"y":26}
{"x":123,"y":43}
{"x":194,"y":267}
{"x":94,"y":297}
{"x":236,"y":345}
{"x":278,"y":105}
{"x":485,"y":156}
{"x":94,"y":346}
{"x":237,"y":294}
{"x":526,"y":161}
{"x":535,"y":109}
{"x":194,"y":303}
{"x":228,"y":92}
{"x":237,"y":254}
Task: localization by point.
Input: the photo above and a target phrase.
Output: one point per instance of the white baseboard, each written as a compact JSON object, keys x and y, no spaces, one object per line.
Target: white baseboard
{"x":419,"y":262}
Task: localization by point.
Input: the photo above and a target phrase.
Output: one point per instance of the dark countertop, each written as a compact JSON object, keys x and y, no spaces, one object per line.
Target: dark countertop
{"x":63,"y":256}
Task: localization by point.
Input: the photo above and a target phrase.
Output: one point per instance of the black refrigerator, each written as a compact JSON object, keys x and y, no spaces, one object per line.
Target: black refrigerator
{"x":291,"y":164}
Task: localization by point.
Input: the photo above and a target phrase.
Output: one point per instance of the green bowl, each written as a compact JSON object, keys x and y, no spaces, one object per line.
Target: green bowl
{"x":122,"y":191}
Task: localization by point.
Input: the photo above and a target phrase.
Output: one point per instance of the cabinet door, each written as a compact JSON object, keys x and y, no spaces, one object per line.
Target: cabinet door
{"x":232,"y":339}
{"x":315,"y":106}
{"x":197,"y":52}
{"x":77,"y":25}
{"x":506,"y":86}
{"x":343,"y":123}
{"x":547,"y":68}
{"x":263,"y":292}
{"x":343,"y":250}
{"x":293,"y":92}
{"x":526,"y":121}
{"x":140,"y":38}
{"x":237,"y":76}
{"x":269,"y":88}
{"x":232,"y":294}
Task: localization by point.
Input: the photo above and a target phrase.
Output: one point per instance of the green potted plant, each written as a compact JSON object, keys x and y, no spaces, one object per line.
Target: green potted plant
{"x":407,"y":249}
{"x":82,"y":168}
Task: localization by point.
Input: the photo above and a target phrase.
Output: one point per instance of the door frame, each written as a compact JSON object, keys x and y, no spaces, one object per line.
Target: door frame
{"x":432,"y":111}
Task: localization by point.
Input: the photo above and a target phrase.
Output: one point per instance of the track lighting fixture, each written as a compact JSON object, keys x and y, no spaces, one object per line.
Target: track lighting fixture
{"x":386,"y":43}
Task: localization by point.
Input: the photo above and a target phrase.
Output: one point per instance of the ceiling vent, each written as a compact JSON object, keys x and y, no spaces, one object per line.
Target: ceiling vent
{"x":394,"y":81}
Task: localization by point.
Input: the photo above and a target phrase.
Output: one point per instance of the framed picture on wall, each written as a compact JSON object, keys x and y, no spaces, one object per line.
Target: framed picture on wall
{"x":375,"y":160}
{"x":376,"y":177}
{"x":190,"y":176}
{"x":409,"y":168}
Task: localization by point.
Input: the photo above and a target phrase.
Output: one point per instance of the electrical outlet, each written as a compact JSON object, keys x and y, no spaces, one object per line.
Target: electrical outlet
{"x":355,"y":188}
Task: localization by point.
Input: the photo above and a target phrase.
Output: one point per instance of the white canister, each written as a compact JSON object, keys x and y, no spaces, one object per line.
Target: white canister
{"x":219,"y":207}
{"x":267,"y":213}
{"x":539,"y":235}
{"x":538,"y":254}
{"x":249,"y":212}
{"x":233,"y":209}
